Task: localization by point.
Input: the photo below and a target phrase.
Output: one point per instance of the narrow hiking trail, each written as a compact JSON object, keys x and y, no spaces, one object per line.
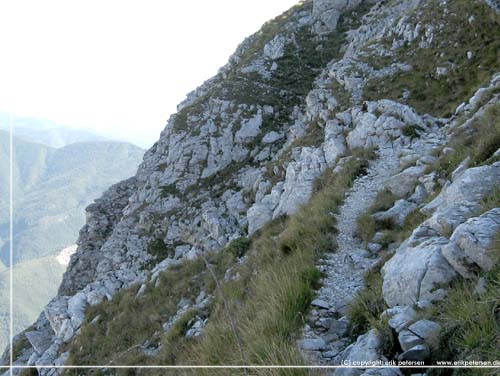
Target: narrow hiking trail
{"x":325,"y":334}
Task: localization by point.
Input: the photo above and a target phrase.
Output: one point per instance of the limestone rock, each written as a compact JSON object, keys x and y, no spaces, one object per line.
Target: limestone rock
{"x":312,"y":344}
{"x":423,"y":332}
{"x":472,"y":244}
{"x":403,"y":184}
{"x":249,"y":129}
{"x":417,"y":353}
{"x":400,"y":317}
{"x":417,"y":274}
{"x":262,"y":212}
{"x":462,"y":198}
{"x":76,"y":309}
{"x":275,"y":49}
{"x":398,"y":213}
{"x":299,"y":181}
{"x":272,"y":137}
{"x":39,"y":340}
{"x":367,"y":348}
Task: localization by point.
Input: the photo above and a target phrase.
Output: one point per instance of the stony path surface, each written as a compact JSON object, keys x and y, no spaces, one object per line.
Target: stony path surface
{"x":324,"y":336}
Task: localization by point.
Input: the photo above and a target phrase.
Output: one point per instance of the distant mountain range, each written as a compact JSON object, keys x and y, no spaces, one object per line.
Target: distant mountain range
{"x":51,"y":188}
{"x":47,"y":132}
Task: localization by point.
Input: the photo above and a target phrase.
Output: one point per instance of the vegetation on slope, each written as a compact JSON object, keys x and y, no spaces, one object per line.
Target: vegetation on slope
{"x":259,"y":306}
{"x":440,"y":95}
{"x":294,"y":76}
{"x":479,"y":141}
{"x":471,"y":320}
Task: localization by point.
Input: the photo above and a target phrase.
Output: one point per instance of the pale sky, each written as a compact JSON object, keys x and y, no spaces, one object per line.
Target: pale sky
{"x":117,"y":66}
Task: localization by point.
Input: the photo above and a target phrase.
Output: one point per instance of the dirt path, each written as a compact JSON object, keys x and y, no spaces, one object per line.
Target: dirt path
{"x":324,"y":337}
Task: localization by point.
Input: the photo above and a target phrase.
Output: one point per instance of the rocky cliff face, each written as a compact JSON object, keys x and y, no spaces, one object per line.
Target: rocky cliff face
{"x":299,"y":100}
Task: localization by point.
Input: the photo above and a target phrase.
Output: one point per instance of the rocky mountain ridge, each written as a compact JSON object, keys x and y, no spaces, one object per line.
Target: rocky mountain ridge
{"x":371,"y":90}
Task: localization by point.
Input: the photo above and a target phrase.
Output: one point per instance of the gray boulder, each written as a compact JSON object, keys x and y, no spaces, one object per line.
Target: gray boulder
{"x":299,"y":181}
{"x":312,"y":344}
{"x":417,"y":274}
{"x":398,"y":213}
{"x":76,"y":309}
{"x":461,"y":199}
{"x":422,"y":332}
{"x":420,"y":195}
{"x":275,"y":49}
{"x":400,"y":317}
{"x":249,"y":129}
{"x":272,"y":137}
{"x":403,"y":184}
{"x":261,"y":212}
{"x":40,"y":341}
{"x":328,"y":12}
{"x":367,"y":348}
{"x":416,"y":353}
{"x":472,"y":244}
{"x":335,"y":144}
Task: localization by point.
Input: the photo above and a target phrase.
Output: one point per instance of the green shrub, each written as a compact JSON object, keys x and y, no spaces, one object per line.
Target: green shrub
{"x":159,"y":249}
{"x":126,"y":322}
{"x":492,"y":201}
{"x":29,"y":372}
{"x":412,"y":131}
{"x":384,"y":201}
{"x":239,"y":247}
{"x":366,"y":224}
{"x":169,"y":190}
{"x":479,"y":142}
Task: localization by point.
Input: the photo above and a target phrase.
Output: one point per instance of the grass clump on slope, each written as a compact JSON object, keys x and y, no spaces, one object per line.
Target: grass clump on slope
{"x":479,"y":141}
{"x":470,"y":317}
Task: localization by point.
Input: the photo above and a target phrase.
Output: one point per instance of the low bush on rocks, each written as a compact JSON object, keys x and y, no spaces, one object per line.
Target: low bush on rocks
{"x":366,"y":227}
{"x":365,"y":310}
{"x":480,"y":142}
{"x":239,"y":247}
{"x":492,"y":201}
{"x":159,"y":249}
{"x":412,"y":131}
{"x":115,"y":330}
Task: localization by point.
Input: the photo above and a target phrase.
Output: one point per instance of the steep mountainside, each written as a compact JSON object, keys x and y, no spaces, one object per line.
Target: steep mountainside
{"x":324,"y":199}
